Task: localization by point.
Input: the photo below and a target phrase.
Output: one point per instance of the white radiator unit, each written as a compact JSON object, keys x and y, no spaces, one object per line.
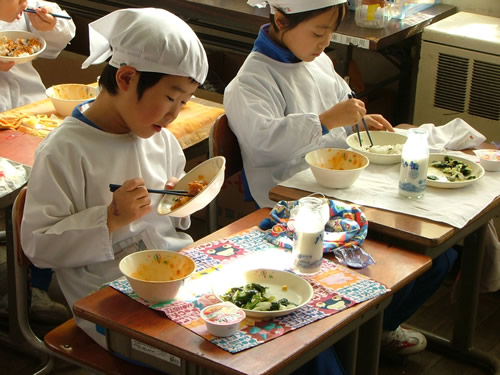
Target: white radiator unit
{"x":459,"y":73}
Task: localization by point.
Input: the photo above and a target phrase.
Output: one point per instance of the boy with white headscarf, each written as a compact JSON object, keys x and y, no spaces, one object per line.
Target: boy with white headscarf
{"x":287,"y":100}
{"x":72,"y":222}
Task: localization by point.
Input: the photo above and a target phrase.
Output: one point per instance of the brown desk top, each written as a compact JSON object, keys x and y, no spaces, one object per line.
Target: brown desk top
{"x":396,"y":30}
{"x":113,"y":310}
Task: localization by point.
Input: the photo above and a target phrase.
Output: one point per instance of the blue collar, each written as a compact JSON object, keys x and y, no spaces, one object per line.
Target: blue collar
{"x":78,"y":114}
{"x":266,"y":46}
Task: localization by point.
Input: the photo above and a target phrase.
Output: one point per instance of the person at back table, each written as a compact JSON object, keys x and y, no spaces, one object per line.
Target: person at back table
{"x":287,"y":100}
{"x":21,"y":84}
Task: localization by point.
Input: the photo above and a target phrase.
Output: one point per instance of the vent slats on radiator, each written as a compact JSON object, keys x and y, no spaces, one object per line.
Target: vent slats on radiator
{"x":451,"y":86}
{"x":484,"y":100}
{"x":451,"y":82}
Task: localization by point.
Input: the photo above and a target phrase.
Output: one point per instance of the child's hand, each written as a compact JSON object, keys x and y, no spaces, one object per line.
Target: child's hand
{"x":6,"y":66}
{"x":171,"y":182}
{"x":130,"y":202}
{"x":42,"y":20}
{"x":347,"y":112}
{"x":377,"y":122}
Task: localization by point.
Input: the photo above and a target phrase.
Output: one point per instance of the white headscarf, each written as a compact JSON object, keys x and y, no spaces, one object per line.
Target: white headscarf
{"x":295,"y":6}
{"x":150,"y":40}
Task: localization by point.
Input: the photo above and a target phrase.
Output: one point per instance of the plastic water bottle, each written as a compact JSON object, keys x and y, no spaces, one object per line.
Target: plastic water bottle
{"x":414,"y":163}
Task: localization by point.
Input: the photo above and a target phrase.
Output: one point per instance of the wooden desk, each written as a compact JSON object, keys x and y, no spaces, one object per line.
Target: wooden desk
{"x":357,"y":327}
{"x":433,"y":238}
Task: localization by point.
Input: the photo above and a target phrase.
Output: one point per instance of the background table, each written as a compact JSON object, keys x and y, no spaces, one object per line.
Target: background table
{"x":433,"y":238}
{"x":360,"y":326}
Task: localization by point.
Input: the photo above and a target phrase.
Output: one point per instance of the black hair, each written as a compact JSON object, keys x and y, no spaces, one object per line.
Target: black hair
{"x":296,"y":18}
{"x":146,"y":80}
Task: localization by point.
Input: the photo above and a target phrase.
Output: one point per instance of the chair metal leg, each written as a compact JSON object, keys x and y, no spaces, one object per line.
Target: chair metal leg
{"x":19,"y":336}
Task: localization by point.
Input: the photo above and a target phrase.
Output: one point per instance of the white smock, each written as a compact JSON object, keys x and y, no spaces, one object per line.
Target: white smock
{"x":64,"y":223}
{"x":22,"y":84}
{"x":273,"y":108}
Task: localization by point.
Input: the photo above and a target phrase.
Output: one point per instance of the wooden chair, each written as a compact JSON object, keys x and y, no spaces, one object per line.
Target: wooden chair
{"x":223,"y":142}
{"x":67,"y":341}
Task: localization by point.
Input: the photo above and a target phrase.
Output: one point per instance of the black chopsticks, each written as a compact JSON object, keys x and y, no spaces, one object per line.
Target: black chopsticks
{"x":31,"y":10}
{"x":351,"y":96}
{"x":183,"y":193}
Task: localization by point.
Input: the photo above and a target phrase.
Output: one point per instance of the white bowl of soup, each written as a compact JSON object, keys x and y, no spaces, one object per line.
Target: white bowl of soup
{"x":336,"y":168}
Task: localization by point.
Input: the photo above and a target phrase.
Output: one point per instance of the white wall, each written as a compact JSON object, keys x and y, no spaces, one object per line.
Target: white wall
{"x":485,"y":7}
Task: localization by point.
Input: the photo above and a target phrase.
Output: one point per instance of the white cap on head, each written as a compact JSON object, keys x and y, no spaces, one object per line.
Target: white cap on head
{"x":295,"y":6}
{"x":150,"y":40}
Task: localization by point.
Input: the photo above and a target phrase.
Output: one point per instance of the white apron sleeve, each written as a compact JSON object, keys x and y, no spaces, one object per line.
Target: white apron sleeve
{"x":52,"y":230}
{"x":58,"y":38}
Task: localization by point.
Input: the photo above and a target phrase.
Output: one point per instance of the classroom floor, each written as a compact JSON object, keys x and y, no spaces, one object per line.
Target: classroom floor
{"x":434,"y":316}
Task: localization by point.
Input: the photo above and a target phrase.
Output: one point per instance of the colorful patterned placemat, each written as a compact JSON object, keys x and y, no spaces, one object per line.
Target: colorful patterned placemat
{"x":335,"y":288}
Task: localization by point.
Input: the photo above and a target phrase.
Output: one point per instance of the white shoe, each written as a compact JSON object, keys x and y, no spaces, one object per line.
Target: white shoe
{"x":402,"y":341}
{"x":44,"y":310}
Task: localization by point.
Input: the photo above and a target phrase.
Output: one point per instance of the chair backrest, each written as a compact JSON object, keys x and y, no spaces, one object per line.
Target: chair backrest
{"x":67,"y":341}
{"x":223,"y":142}
{"x":17,"y":217}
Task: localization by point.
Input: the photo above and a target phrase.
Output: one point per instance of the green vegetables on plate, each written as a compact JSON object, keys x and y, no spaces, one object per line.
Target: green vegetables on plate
{"x":253,"y":296}
{"x":454,"y":170}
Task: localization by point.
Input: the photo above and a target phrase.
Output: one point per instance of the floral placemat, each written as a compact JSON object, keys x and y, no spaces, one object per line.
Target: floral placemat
{"x":336,"y":288}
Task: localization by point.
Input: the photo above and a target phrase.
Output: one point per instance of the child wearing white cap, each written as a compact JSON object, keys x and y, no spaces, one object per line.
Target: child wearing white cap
{"x":287,"y":100}
{"x":72,"y":222}
{"x":21,"y":84}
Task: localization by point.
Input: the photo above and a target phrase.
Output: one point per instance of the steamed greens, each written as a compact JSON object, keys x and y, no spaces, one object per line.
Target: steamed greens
{"x":454,"y":170}
{"x":253,"y":297}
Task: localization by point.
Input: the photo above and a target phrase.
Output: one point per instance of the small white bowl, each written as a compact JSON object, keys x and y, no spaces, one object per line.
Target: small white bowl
{"x":222,"y":319}
{"x":335,"y":167}
{"x":157,"y":275}
{"x":489,"y":159}
{"x":13,"y":35}
{"x":65,"y":97}
{"x":379,"y":138}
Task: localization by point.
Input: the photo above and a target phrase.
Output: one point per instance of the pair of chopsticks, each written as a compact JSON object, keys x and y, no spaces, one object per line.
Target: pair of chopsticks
{"x":183,"y":193}
{"x":31,"y":10}
{"x":352,"y":95}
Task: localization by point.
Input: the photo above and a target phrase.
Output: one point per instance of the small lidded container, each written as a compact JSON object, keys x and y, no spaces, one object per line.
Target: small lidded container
{"x":222,"y":319}
{"x":489,"y":159}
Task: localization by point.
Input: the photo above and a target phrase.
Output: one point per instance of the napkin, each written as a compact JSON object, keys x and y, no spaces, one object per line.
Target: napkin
{"x":455,"y":135}
{"x":345,"y":231}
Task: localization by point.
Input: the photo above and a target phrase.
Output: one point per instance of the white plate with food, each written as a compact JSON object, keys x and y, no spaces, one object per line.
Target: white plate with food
{"x":20,"y":46}
{"x":263,"y":293}
{"x":203,"y":181}
{"x":452,"y":172}
{"x":386,"y":149}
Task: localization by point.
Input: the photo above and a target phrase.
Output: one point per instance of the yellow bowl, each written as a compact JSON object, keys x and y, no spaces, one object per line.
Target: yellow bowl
{"x":157,"y":275}
{"x":336,"y":168}
{"x":67,"y":96}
